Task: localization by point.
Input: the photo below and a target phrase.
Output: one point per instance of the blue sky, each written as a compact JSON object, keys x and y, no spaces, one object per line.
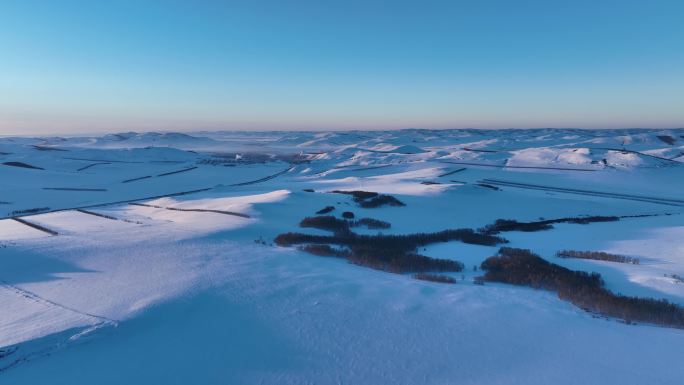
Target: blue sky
{"x":87,"y":66}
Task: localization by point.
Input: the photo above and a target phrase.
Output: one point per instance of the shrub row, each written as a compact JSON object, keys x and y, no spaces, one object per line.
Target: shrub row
{"x":502,"y":225}
{"x":597,"y":255}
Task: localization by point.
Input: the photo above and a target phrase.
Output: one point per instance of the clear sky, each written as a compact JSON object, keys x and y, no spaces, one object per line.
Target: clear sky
{"x":87,"y":66}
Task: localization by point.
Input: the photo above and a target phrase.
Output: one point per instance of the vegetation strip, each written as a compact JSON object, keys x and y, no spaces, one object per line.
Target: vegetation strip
{"x":18,"y":213}
{"x":485,"y":185}
{"x":523,"y":167}
{"x":325,"y":210}
{"x":451,"y":172}
{"x":478,"y":150}
{"x":37,"y":298}
{"x":106,"y":216}
{"x":22,"y":165}
{"x":178,"y":171}
{"x":503,"y":225}
{"x":92,"y":165}
{"x":97,"y":214}
{"x":102,"y":160}
{"x":195,"y":210}
{"x":134,"y":179}
{"x":48,"y":148}
{"x":664,"y":201}
{"x":585,"y":290}
{"x":635,"y":152}
{"x":36,"y":226}
{"x":35,"y":210}
{"x":73,"y":189}
{"x":597,"y":256}
{"x":264,"y":179}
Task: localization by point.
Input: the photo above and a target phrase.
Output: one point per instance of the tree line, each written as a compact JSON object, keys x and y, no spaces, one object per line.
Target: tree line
{"x":584,"y":290}
{"x":597,"y":255}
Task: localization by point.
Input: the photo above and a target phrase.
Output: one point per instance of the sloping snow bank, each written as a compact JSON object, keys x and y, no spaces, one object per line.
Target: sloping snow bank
{"x":113,"y":269}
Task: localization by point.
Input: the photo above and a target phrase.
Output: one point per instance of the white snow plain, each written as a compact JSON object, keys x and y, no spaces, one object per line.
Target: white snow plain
{"x":163,"y":268}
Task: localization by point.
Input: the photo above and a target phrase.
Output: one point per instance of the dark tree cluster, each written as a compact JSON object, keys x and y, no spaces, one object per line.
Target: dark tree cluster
{"x":597,"y":255}
{"x":368,"y":199}
{"x":325,"y":210}
{"x":393,"y":253}
{"x":327,"y":223}
{"x":667,"y":139}
{"x":342,"y":226}
{"x":394,"y":260}
{"x":503,"y":225}
{"x":522,"y":267}
{"x":358,"y":195}
{"x":348,"y":215}
{"x":395,"y":242}
{"x":398,"y":261}
{"x":373,"y":224}
{"x":381,"y":200}
{"x":434,"y":278}
{"x":584,"y":290}
{"x":325,"y":251}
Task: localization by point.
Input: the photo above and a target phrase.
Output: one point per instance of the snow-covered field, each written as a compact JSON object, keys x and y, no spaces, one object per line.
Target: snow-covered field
{"x":149,"y":258}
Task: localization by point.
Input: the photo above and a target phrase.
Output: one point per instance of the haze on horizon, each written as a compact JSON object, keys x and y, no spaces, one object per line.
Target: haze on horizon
{"x":77,"y":66}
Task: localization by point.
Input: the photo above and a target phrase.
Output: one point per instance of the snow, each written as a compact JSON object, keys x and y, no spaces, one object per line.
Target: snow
{"x":12,"y":230}
{"x":158,"y":282}
{"x":28,"y":318}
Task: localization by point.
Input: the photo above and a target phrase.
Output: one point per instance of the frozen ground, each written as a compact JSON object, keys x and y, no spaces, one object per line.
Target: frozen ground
{"x":148,"y":258}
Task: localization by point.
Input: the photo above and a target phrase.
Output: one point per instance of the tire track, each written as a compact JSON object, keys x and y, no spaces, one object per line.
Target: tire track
{"x":29,"y":295}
